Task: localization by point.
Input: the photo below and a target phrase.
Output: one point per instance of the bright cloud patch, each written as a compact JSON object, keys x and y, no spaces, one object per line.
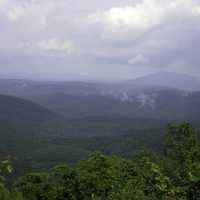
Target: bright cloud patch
{"x":2,"y":3}
{"x":139,"y":59}
{"x":11,"y":9}
{"x":15,"y":13}
{"x":143,"y":16}
{"x":138,"y":17}
{"x":56,"y":45}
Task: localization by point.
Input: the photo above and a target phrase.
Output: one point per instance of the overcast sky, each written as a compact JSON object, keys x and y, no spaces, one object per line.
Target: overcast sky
{"x":99,"y":39}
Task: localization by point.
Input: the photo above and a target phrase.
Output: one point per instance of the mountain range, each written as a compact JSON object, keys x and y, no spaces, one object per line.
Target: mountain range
{"x":166,"y":95}
{"x":43,"y":123}
{"x":169,"y":79}
{"x":163,"y":80}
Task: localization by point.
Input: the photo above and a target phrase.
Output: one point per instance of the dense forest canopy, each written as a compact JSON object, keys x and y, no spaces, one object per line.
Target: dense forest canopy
{"x":146,"y":176}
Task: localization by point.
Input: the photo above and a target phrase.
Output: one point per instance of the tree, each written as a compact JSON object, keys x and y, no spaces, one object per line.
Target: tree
{"x":100,"y":175}
{"x":5,"y":168}
{"x":66,"y":183}
{"x":36,"y":186}
{"x":183,"y":153}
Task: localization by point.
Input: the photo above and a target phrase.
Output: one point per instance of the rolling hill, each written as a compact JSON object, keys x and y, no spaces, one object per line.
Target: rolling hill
{"x":34,"y":137}
{"x":16,"y":110}
{"x":152,"y":96}
{"x":51,"y":122}
{"x":164,"y":104}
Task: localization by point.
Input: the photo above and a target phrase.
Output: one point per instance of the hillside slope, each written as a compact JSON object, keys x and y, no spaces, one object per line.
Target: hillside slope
{"x":15,"y":109}
{"x":164,"y":104}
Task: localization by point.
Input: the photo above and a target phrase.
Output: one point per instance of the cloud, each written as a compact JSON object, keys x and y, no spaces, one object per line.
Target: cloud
{"x":108,"y":38}
{"x":139,"y":17}
{"x":30,"y":14}
{"x":138,"y":59}
{"x":56,"y":45}
{"x":118,"y":22}
{"x":15,"y":13}
{"x":2,"y":3}
{"x":12,"y":10}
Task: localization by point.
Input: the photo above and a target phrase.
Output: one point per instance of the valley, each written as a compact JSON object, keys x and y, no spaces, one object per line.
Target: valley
{"x":46,"y":123}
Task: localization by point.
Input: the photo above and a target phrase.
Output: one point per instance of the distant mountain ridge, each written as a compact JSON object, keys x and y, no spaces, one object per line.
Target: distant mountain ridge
{"x":163,"y":95}
{"x":162,"y":80}
{"x":169,"y":79}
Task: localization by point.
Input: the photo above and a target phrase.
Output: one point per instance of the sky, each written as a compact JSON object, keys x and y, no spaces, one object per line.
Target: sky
{"x":92,"y":39}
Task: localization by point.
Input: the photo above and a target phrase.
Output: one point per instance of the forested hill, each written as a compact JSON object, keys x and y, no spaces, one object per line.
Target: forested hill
{"x":16,"y":110}
{"x":30,"y":134}
{"x":149,"y":97}
{"x":37,"y":138}
{"x":22,"y":122}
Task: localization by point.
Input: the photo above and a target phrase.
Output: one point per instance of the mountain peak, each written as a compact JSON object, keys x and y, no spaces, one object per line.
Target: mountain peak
{"x":170,"y":79}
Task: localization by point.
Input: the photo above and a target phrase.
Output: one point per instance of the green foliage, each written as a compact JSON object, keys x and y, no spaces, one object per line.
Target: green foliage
{"x":73,"y":139}
{"x":183,"y":151}
{"x":101,"y":177}
{"x":66,"y":182}
{"x":36,"y":186}
{"x":6,"y":168}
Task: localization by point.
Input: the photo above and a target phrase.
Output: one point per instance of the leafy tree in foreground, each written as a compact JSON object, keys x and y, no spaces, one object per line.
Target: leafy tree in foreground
{"x":66,"y":182}
{"x":36,"y":186}
{"x":100,"y":177}
{"x":183,"y":151}
{"x":5,"y":168}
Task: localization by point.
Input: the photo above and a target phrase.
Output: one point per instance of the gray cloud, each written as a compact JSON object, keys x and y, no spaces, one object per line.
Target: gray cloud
{"x":107,"y":39}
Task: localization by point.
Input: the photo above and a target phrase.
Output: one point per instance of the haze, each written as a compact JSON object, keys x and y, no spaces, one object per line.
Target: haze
{"x":90,"y":39}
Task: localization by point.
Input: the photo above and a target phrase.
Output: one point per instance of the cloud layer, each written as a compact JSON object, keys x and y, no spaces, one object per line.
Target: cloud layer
{"x":107,"y":39}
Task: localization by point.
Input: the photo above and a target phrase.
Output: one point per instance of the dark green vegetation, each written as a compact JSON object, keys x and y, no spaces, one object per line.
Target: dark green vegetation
{"x":161,"y":104}
{"x":34,"y":137}
{"x":173,"y":176}
{"x":52,"y":123}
